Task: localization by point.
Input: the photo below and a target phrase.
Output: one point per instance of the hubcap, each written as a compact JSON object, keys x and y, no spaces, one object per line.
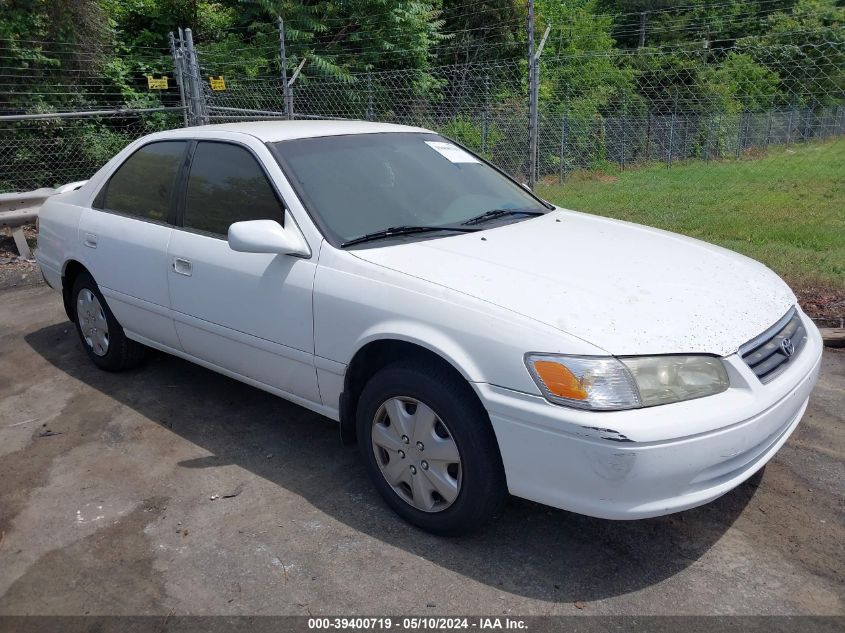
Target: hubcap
{"x":92,"y":322}
{"x":416,"y":454}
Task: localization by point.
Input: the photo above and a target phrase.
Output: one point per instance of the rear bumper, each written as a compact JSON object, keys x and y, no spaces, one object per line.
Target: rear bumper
{"x":594,"y":464}
{"x":51,"y":276}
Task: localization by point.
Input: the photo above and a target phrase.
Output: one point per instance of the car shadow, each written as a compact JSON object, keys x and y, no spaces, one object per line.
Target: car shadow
{"x":529,"y":550}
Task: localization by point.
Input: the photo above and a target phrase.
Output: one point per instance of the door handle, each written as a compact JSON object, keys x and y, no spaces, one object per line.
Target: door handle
{"x":90,"y":240}
{"x":182,"y":266}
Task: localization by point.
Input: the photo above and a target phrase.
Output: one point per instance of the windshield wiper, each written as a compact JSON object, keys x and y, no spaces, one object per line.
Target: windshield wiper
{"x":498,"y":213}
{"x":403,"y":230}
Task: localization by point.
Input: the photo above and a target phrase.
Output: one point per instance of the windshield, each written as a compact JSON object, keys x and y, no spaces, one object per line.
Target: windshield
{"x":360,"y":184}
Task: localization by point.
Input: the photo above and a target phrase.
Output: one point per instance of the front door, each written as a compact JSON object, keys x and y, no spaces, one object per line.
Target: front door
{"x":248,"y":313}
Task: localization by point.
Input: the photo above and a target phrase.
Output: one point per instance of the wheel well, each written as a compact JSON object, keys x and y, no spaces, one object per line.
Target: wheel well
{"x":368,"y":361}
{"x":72,"y":270}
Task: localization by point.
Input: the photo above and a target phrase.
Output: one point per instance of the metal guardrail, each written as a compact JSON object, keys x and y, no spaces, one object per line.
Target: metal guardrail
{"x":19,"y":208}
{"x":87,"y":113}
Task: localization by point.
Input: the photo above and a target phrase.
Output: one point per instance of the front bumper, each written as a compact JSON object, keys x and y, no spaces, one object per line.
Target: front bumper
{"x":653,"y":461}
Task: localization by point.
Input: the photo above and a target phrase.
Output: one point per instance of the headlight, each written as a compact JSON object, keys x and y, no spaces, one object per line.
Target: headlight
{"x":607,"y":383}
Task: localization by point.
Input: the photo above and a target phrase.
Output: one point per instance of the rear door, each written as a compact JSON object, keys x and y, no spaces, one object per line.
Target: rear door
{"x":125,"y":237}
{"x":248,"y":313}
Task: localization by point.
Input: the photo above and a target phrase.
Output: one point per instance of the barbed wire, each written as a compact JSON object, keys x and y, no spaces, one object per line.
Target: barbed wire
{"x":650,"y":28}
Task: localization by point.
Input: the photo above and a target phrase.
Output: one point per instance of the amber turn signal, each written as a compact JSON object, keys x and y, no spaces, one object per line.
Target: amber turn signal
{"x":559,"y":380}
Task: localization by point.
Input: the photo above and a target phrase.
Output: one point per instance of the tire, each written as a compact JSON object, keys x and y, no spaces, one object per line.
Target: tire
{"x":403,"y":391}
{"x":118,"y":352}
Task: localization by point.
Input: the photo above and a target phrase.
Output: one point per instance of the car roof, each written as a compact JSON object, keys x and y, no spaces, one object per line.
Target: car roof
{"x":271,"y":131}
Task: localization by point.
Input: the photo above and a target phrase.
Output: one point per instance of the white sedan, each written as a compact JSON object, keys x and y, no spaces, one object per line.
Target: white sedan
{"x":474,"y":339}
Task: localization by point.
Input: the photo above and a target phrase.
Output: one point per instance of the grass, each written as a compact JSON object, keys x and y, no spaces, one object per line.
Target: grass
{"x":785,"y":209}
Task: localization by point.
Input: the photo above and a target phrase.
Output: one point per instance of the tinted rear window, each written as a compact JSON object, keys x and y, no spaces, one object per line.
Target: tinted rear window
{"x":143,"y":185}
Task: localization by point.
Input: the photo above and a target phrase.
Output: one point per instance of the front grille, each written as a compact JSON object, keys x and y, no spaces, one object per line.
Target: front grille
{"x":769,"y":354}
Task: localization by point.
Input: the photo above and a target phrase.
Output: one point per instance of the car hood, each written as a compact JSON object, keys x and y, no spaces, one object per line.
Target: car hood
{"x":625,"y":288}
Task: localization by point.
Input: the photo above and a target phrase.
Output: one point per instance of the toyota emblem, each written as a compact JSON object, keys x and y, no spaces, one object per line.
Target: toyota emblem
{"x":787,"y":347}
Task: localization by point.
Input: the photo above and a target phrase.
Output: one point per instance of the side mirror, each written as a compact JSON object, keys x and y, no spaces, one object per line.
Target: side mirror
{"x":267,"y":236}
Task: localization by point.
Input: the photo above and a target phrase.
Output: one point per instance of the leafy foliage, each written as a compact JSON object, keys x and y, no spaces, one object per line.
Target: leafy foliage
{"x":700,"y":59}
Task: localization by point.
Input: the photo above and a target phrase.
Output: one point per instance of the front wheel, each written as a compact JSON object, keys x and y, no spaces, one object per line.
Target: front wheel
{"x":429,"y":448}
{"x":101,"y":335}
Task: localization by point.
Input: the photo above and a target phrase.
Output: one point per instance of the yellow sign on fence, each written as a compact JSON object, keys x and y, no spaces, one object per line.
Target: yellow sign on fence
{"x":217,"y":83}
{"x":156,"y":84}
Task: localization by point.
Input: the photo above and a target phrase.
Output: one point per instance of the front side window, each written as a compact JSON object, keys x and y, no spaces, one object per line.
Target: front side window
{"x":363,"y":183}
{"x":227,"y":185}
{"x":143,"y":185}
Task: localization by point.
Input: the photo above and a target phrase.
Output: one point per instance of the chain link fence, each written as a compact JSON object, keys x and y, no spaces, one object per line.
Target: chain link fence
{"x":59,"y":148}
{"x":596,"y":110}
{"x":669,"y":106}
{"x":65,"y":111}
{"x":616,"y":109}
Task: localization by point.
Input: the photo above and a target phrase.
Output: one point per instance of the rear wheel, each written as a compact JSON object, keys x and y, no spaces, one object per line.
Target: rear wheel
{"x":102,"y":337}
{"x":430,"y":449}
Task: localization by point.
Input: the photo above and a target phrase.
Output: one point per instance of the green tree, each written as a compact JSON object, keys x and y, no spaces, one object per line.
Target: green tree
{"x":482,"y":30}
{"x":46,"y":45}
{"x":709,"y":23}
{"x":340,"y":38}
{"x":579,"y":62}
{"x":582,"y":78}
{"x":806,"y":47}
{"x":741,"y":84}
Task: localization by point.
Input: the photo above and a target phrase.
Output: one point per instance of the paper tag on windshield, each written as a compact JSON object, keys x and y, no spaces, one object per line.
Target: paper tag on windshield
{"x":452,"y":153}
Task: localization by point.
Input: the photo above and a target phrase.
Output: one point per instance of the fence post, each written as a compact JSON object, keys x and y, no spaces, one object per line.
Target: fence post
{"x":192,"y":88}
{"x":534,"y":144}
{"x":187,"y":78}
{"x":768,"y":129}
{"x":532,"y":104}
{"x":188,"y":75}
{"x":642,"y":28}
{"x":789,"y":122}
{"x":746,"y":128}
{"x":808,"y":124}
{"x":622,"y":128}
{"x":535,"y":156}
{"x":283,"y":62}
{"x":823,"y":123}
{"x":369,"y":113}
{"x":671,"y":139}
{"x":804,"y":128}
{"x":290,"y":111}
{"x":739,"y":134}
{"x":719,"y":135}
{"x":177,"y":74}
{"x":485,"y":115}
{"x":564,"y":137}
{"x":196,"y":81}
{"x":672,"y":128}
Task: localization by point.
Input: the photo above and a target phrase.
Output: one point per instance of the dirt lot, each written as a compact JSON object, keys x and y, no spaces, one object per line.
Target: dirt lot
{"x":15,"y":271}
{"x":109,"y":504}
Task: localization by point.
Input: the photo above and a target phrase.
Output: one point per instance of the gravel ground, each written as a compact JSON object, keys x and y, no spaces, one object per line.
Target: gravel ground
{"x":15,"y":271}
{"x":173,"y":490}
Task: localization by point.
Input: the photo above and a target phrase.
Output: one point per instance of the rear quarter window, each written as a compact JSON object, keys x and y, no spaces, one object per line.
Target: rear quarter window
{"x":144,"y":185}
